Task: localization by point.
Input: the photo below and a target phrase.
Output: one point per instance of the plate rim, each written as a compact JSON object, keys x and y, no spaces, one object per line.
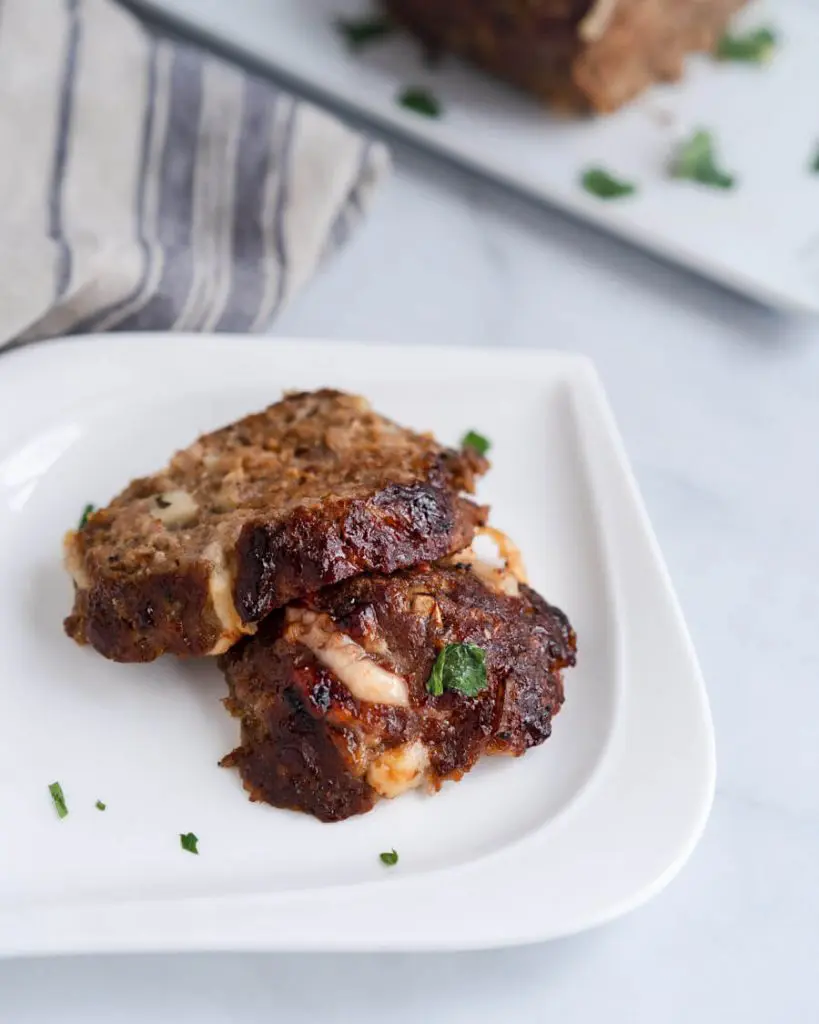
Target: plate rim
{"x":301,"y":920}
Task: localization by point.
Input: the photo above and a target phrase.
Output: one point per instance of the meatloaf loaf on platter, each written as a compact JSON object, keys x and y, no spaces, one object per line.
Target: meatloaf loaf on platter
{"x":578,"y":55}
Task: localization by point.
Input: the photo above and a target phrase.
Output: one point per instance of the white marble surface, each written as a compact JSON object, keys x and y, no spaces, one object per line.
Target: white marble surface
{"x":719,"y":405}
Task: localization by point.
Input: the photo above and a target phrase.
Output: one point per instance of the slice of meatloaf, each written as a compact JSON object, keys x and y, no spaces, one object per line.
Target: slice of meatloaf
{"x":580,"y":55}
{"x":334,"y":695}
{"x":315,"y":489}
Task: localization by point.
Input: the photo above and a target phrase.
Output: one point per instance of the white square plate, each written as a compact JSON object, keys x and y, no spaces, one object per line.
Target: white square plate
{"x":583,"y":828}
{"x":761,"y":239}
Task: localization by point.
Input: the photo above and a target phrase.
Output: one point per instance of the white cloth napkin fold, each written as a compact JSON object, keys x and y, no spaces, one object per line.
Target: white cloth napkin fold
{"x":146,"y":184}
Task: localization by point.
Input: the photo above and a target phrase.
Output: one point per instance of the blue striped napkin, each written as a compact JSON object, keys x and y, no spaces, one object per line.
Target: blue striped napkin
{"x":148,"y":185}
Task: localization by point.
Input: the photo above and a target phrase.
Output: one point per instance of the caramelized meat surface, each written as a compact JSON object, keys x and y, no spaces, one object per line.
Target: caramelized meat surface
{"x":313,"y":490}
{"x":333,"y":694}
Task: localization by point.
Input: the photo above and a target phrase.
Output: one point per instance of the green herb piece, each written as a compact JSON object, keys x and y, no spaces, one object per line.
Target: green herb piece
{"x":188,"y":841}
{"x":100,"y":805}
{"x":57,"y":795}
{"x":814,"y":164}
{"x":473,"y":439}
{"x":86,"y":512}
{"x":604,"y":185}
{"x":358,"y":32}
{"x":421,"y":101}
{"x":390,"y":859}
{"x":695,"y":160}
{"x":754,"y":47}
{"x":460,"y":667}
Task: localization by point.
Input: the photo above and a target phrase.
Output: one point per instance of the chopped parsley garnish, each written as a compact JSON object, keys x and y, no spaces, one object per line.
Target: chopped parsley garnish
{"x":86,"y":512}
{"x":100,"y":805}
{"x":390,"y":858}
{"x":358,"y":32}
{"x":188,"y":841}
{"x":695,"y":160}
{"x":57,"y":795}
{"x":754,"y":47}
{"x":604,"y":185}
{"x":473,"y":439}
{"x":814,"y":164}
{"x":421,"y":101}
{"x":460,"y":667}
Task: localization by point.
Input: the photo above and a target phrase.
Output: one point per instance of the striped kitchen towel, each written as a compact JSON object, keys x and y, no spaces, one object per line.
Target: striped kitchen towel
{"x":146,"y":184}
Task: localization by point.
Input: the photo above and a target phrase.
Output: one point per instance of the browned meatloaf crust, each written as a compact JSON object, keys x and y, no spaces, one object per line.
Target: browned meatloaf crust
{"x":315,"y":489}
{"x":581,"y":55}
{"x":309,"y":744}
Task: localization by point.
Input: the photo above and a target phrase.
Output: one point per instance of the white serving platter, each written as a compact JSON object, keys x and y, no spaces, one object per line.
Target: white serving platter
{"x":762,"y":239}
{"x":578,"y":831}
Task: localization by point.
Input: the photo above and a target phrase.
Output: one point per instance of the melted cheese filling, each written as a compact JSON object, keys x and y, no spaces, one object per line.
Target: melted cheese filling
{"x":346,"y":659}
{"x":508,"y":551}
{"x":399,"y":769}
{"x":504,"y":578}
{"x":597,"y":20}
{"x":499,"y":580}
{"x":73,"y":562}
{"x":220,"y":585}
{"x":174,"y":508}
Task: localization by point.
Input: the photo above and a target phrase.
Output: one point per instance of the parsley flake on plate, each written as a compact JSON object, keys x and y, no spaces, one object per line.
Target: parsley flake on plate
{"x":695,"y":160}
{"x":598,"y":182}
{"x":472,"y":439}
{"x":390,"y":858}
{"x":460,"y":667}
{"x":358,"y":32}
{"x":86,"y":512}
{"x":188,"y":842}
{"x":814,"y":164}
{"x":420,"y":101}
{"x":100,"y":805}
{"x":754,"y":47}
{"x":57,"y":795}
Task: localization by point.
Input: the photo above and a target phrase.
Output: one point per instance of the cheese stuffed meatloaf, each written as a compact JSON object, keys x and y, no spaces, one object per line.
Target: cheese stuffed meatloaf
{"x":381,"y":684}
{"x":580,"y":55}
{"x":313,"y":490}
